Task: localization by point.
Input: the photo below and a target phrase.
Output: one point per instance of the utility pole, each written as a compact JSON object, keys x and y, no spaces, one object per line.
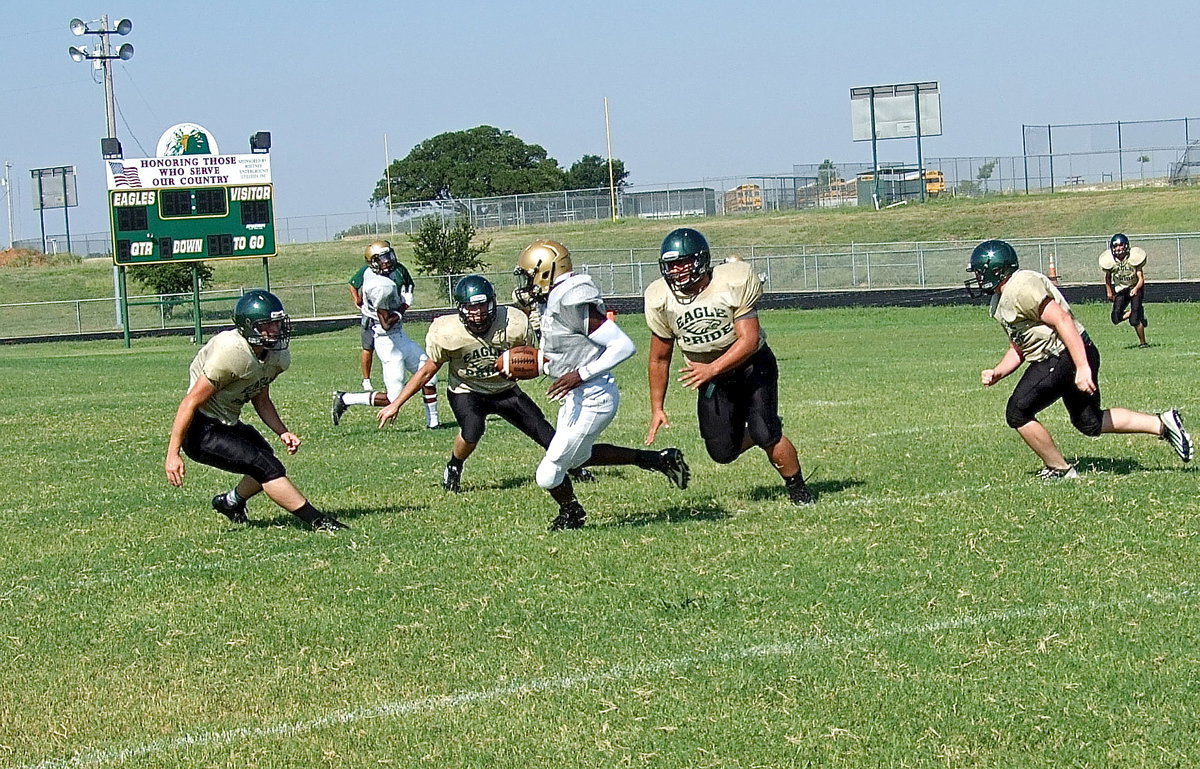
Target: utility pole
{"x":8,"y":199}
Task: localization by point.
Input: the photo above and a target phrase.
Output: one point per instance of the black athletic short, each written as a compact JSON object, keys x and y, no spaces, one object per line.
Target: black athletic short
{"x":238,"y":449}
{"x":1048,"y":380}
{"x":513,"y":405}
{"x":368,"y":333}
{"x":740,"y":402}
{"x":1123,"y":300}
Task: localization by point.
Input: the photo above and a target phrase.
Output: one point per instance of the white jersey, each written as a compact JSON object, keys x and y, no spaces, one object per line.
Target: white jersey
{"x":380,"y":292}
{"x":564,"y":317}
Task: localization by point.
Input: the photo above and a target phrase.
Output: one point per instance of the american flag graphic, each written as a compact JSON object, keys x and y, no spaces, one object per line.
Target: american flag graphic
{"x":124,"y":176}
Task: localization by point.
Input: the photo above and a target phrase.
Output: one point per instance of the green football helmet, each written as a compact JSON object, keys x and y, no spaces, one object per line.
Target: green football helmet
{"x":476,"y":300}
{"x":261,"y":319}
{"x":685,"y":260}
{"x":992,"y":262}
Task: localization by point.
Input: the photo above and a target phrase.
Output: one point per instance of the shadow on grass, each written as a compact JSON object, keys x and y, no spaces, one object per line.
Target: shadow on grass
{"x":777,"y":490}
{"x":287,"y":520}
{"x":673,"y":514}
{"x":1114,"y":465}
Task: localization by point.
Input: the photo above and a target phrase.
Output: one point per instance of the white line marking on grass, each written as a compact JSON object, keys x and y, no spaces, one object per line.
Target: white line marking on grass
{"x":568,"y":682}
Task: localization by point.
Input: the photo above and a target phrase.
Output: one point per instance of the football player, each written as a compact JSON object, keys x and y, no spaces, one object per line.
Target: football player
{"x":469,"y":343}
{"x":387,"y":293}
{"x":1125,"y":283}
{"x":234,"y":368}
{"x":367,"y":335}
{"x":712,"y":313}
{"x":582,"y":346}
{"x":1063,"y":362}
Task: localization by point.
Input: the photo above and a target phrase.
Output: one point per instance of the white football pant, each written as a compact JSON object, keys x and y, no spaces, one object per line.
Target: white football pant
{"x":584,"y":414}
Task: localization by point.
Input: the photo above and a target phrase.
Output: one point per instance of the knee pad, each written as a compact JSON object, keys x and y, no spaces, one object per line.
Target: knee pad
{"x":549,"y":475}
{"x":722,"y":453}
{"x":266,"y":467}
{"x":1088,"y":424}
{"x":1015,"y":417}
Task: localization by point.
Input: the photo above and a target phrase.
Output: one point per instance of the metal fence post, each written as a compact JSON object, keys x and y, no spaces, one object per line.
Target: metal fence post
{"x":313,"y":289}
{"x":78,"y":318}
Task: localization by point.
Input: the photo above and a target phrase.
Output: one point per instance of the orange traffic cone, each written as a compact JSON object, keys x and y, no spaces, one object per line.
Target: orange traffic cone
{"x":1052,"y":273}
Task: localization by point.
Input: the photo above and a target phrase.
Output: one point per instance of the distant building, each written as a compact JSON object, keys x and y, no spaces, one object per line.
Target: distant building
{"x":670,"y":203}
{"x":744,"y":197}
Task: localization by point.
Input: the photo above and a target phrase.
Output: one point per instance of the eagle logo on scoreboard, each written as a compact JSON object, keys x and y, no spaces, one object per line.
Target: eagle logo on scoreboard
{"x":186,"y":139}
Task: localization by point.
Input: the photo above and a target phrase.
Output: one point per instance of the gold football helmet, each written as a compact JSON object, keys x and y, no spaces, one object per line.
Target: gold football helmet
{"x":539,"y":265}
{"x":381,"y":257}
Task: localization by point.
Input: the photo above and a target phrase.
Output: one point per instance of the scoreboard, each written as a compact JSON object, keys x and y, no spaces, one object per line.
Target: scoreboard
{"x":191,"y":208}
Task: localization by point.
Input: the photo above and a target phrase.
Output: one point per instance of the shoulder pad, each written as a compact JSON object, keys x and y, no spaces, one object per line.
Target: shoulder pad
{"x":580,"y":289}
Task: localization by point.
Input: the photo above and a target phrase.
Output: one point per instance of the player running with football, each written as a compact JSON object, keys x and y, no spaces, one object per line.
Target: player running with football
{"x":1063,"y":362}
{"x":581,"y":346}
{"x":1125,"y":283}
{"x":712,"y":313}
{"x":387,"y":293}
{"x":469,"y":343}
{"x":234,"y":368}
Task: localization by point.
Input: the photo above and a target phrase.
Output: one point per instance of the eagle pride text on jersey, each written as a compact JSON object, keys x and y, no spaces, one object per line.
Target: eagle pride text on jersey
{"x":470,"y":359}
{"x":236,"y":372}
{"x":703,"y":326}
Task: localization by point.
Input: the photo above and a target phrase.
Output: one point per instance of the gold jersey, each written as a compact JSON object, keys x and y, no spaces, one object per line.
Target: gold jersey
{"x":703,"y":325}
{"x":1124,"y":273}
{"x":236,"y":372}
{"x":471,"y":360}
{"x":1018,"y":308}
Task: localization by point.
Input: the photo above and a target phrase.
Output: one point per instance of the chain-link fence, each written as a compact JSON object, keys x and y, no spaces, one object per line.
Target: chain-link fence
{"x":627,"y":272}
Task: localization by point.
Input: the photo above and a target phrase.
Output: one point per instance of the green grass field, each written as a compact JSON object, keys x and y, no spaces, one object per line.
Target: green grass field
{"x":939,"y":607}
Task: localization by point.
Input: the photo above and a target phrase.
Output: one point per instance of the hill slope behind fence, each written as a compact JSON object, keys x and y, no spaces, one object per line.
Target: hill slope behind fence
{"x":625,"y":273}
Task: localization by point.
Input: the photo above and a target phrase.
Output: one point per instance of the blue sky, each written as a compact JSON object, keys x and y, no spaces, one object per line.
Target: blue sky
{"x":697,"y":89}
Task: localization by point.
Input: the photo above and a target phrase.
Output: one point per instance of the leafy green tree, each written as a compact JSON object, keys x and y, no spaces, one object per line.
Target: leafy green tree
{"x":591,"y":171}
{"x":480,"y":162}
{"x":827,"y":174}
{"x":985,"y":173}
{"x":170,"y":278}
{"x":443,"y":247}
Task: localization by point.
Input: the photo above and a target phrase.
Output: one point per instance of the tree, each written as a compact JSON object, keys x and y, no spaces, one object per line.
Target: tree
{"x":443,"y":247}
{"x":477,"y":163}
{"x":170,"y":278}
{"x":827,"y":174}
{"x":985,"y":173}
{"x":591,"y":171}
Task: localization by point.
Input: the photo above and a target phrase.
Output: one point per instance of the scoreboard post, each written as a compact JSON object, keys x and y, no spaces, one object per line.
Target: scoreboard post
{"x":191,"y":204}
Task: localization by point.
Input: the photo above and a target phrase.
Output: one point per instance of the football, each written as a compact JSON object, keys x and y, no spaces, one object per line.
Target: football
{"x":523,"y":362}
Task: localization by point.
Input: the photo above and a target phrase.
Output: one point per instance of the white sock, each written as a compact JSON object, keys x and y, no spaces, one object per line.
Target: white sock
{"x":431,"y":414}
{"x":366,"y":384}
{"x":359,"y":399}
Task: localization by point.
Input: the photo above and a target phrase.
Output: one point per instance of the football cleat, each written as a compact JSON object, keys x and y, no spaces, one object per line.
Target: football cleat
{"x":452,"y":478}
{"x":235,"y":513}
{"x":327,"y":523}
{"x":339,"y":407}
{"x":672,"y":464}
{"x":1173,"y":433}
{"x":570,"y":516}
{"x":799,"y":492}
{"x":581,"y":475}
{"x":1057,"y":473}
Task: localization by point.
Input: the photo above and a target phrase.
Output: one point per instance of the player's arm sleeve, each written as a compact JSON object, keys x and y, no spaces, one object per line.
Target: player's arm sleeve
{"x":617,"y":347}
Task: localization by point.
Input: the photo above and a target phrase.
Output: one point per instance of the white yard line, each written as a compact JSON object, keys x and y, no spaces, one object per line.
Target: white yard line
{"x":401,"y":708}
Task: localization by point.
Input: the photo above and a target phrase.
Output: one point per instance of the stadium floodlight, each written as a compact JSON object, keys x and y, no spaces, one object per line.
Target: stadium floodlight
{"x":78,"y":53}
{"x":125,"y":52}
{"x":78,"y":27}
{"x":124,"y":27}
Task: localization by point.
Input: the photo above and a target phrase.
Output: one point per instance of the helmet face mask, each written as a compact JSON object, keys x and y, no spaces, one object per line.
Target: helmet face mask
{"x":539,"y":265}
{"x":685,"y":261}
{"x":1119,"y":246}
{"x":476,"y":300}
{"x":260,"y":318}
{"x":992,"y":263}
{"x":381,"y":258}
